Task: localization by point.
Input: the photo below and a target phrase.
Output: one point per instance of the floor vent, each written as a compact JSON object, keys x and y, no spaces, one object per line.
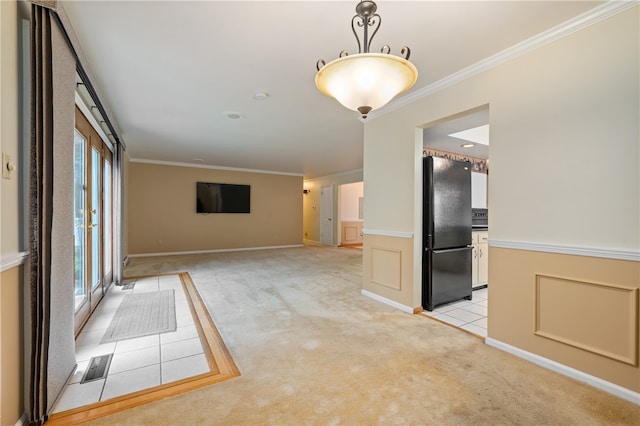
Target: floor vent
{"x":128,"y":285}
{"x":98,"y":368}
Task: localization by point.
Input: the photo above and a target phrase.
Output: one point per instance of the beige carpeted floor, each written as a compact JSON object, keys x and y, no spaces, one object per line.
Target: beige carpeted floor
{"x":312,"y":350}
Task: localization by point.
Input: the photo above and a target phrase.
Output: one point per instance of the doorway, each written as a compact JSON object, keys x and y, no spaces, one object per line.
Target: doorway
{"x":350,"y":214}
{"x":93,"y":219}
{"x":465,"y":137}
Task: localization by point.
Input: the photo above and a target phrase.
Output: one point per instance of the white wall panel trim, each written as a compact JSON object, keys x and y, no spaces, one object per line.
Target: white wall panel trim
{"x":177,"y":253}
{"x":572,"y":250}
{"x":596,"y":382}
{"x":399,"y":234}
{"x":12,"y":260}
{"x":611,"y":336}
{"x":386,"y":301}
{"x":569,"y":27}
{"x":386,"y":267}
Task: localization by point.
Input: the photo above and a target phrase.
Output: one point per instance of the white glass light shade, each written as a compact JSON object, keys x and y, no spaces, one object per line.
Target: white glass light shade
{"x":366,"y":79}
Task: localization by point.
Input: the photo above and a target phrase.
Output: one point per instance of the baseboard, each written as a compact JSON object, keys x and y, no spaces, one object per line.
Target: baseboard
{"x":596,"y":382}
{"x":178,"y":253}
{"x":22,"y":420}
{"x":389,"y":302}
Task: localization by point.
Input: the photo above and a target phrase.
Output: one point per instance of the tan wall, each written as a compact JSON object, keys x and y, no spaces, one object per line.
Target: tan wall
{"x":311,"y":202}
{"x":387,"y":267}
{"x":12,"y":353}
{"x":577,"y":310}
{"x":564,"y":169}
{"x":11,"y":346}
{"x":162,"y":211}
{"x":9,"y":127}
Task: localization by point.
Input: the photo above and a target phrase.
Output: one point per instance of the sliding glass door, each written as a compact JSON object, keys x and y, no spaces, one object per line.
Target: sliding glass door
{"x":79,"y":230}
{"x":93,"y":231}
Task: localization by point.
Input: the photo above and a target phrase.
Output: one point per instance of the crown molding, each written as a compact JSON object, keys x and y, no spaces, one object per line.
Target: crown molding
{"x":577,"y":23}
{"x":346,"y":172}
{"x":204,"y":166}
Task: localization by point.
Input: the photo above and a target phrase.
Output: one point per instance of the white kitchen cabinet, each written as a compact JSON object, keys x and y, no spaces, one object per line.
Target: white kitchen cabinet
{"x":480,"y":259}
{"x":351,"y":232}
{"x":478,"y":190}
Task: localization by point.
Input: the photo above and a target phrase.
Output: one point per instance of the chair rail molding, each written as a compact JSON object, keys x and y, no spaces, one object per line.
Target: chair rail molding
{"x":12,"y":260}
{"x":384,"y":233}
{"x":571,"y":250}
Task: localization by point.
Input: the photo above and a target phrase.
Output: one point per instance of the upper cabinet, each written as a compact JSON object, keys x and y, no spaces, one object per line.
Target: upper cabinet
{"x":478,"y":190}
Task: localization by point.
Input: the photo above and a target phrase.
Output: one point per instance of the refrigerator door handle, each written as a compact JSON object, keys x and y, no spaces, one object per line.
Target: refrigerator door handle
{"x":452,"y":249}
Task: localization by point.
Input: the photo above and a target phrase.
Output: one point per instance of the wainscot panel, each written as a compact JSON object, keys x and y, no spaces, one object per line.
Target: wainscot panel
{"x":388,"y":267}
{"x":578,"y":311}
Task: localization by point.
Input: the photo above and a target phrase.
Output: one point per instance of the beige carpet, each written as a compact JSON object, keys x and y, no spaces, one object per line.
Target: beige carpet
{"x":312,"y":350}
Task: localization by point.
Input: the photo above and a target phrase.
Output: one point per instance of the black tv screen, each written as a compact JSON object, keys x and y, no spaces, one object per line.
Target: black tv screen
{"x":222,"y":198}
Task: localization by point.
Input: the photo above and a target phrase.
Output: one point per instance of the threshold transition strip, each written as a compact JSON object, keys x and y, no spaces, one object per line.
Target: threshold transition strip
{"x":221,"y":366}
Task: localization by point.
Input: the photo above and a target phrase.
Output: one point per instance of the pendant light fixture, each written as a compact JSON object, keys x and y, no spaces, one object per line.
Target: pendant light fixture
{"x":366,"y":81}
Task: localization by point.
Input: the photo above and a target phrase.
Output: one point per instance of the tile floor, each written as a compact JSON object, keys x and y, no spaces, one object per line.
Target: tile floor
{"x":470,"y":315}
{"x":140,"y":363}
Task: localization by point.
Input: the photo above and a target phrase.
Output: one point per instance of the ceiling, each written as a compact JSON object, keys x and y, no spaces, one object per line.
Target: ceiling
{"x":437,"y":136}
{"x":171,"y":72}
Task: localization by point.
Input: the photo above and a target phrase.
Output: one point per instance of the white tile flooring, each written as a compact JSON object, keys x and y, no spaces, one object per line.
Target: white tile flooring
{"x":470,"y":315}
{"x":140,"y":363}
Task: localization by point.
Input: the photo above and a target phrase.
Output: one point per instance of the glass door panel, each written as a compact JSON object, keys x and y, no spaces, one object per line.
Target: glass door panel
{"x":94,"y":217}
{"x":107,"y":233}
{"x":79,"y":230}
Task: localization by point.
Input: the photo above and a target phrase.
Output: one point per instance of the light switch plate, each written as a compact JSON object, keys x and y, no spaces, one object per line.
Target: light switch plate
{"x":8,"y":166}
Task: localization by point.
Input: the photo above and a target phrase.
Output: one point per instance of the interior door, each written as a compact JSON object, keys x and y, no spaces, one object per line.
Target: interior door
{"x":326,"y":215}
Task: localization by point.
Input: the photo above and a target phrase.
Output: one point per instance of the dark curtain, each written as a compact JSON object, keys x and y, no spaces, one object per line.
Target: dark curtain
{"x":40,"y":208}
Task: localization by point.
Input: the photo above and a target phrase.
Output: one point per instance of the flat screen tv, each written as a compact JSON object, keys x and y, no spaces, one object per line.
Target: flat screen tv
{"x":222,"y":198}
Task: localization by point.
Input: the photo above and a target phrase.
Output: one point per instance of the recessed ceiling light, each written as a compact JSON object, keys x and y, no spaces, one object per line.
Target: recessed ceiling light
{"x":477,"y":135}
{"x":260,"y":96}
{"x":468,"y":145}
{"x":232,"y":115}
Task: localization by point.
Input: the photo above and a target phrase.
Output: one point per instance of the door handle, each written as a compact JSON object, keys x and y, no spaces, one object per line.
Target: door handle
{"x":92,"y":225}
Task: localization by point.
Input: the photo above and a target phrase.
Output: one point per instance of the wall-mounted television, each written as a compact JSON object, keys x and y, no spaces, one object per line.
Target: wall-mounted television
{"x":222,"y":198}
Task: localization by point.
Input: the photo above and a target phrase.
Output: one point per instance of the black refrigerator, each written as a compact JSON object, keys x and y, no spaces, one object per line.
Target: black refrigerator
{"x":446,"y":231}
